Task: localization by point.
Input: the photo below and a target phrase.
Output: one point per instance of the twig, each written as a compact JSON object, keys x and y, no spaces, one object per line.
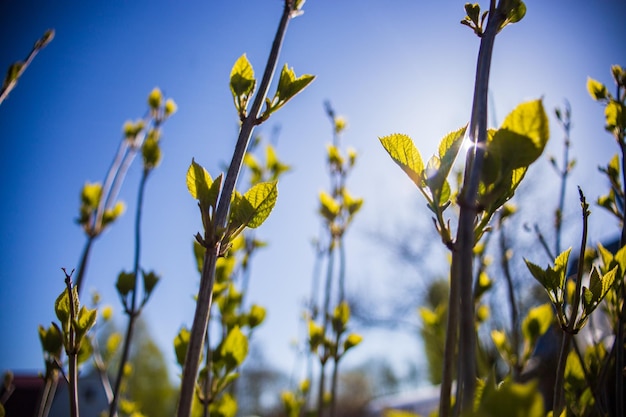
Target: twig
{"x":11,"y":79}
{"x":569,"y":330}
{"x":205,"y":293}
{"x":132,"y":310}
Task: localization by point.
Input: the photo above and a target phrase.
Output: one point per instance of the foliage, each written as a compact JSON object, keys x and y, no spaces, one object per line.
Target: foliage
{"x":211,"y":353}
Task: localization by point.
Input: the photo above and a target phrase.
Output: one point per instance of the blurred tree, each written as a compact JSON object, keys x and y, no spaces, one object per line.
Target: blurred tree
{"x":149,"y":384}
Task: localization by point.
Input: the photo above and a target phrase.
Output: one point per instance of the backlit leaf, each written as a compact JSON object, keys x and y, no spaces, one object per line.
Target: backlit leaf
{"x":181,"y":343}
{"x":537,"y":322}
{"x":255,"y":206}
{"x":198,"y":182}
{"x":242,"y":82}
{"x":404,"y":153}
{"x":596,"y":89}
{"x":234,"y":349}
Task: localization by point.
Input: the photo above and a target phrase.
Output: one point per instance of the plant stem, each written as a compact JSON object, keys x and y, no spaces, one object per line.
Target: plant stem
{"x":330,"y":255}
{"x":84,"y":260}
{"x":558,"y":216}
{"x":39,"y":45}
{"x":133,"y":310}
{"x":461,"y":277}
{"x":49,"y":391}
{"x":72,"y":352}
{"x":205,"y":293}
{"x":570,"y":329}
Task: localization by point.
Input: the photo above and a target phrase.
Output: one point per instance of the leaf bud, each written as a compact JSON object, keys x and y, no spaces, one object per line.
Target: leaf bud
{"x":170,"y":107}
{"x":155,"y":98}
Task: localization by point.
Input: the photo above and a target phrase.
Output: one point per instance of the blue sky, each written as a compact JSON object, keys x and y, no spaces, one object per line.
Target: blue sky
{"x":388,"y":66}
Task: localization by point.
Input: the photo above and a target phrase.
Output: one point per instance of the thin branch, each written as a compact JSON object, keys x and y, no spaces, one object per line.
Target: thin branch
{"x":205,"y":293}
{"x":132,"y":310}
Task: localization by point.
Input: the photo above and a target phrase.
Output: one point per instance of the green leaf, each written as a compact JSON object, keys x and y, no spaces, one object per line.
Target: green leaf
{"x":511,"y":399}
{"x":517,"y":13}
{"x":341,"y":315}
{"x":150,"y":280}
{"x":316,"y":335}
{"x":473,"y":12}
{"x":254,"y":207}
{"x":289,"y":85}
{"x":225,"y":406}
{"x":199,"y":184}
{"x":62,"y":307}
{"x":596,"y":89}
{"x":155,"y":99}
{"x":181,"y":343}
{"x":256,"y":316}
{"x":522,"y":137}
{"x":234,"y":348}
{"x":242,"y":83}
{"x":599,"y":286}
{"x":198,"y":253}
{"x":615,"y":115}
{"x":404,"y":153}
{"x":537,"y":322}
{"x":110,"y":215}
{"x":85,"y":321}
{"x":125,"y":283}
{"x":353,"y":205}
{"x":51,"y":340}
{"x":91,"y":194}
{"x":351,"y":341}
{"x":151,"y":151}
{"x":329,"y":207}
{"x":85,"y":350}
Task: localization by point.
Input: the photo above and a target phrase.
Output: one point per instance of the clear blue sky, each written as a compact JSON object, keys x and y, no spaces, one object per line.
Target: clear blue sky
{"x":388,"y":66}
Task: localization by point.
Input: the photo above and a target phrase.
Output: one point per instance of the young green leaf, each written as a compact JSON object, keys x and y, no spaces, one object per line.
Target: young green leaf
{"x":155,"y":99}
{"x":256,"y":316}
{"x":404,"y":153}
{"x":224,"y":406}
{"x":85,"y":321}
{"x":199,"y":184}
{"x":151,"y":152}
{"x":511,"y":399}
{"x":255,"y":206}
{"x":329,"y":207}
{"x":150,"y":280}
{"x":181,"y":343}
{"x":51,"y":340}
{"x":340,"y":318}
{"x":537,"y":322}
{"x":596,"y":89}
{"x":242,"y":83}
{"x":522,"y":137}
{"x":288,"y":86}
{"x":599,"y":286}
{"x":125,"y":283}
{"x":234,"y":348}
{"x":615,"y":115}
{"x":351,"y":341}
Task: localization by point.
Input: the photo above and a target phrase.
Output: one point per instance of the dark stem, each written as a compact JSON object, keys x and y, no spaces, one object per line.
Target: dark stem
{"x":558,"y":221}
{"x":570,"y":330}
{"x":205,"y":293}
{"x":335,"y":377}
{"x":84,"y":260}
{"x":506,"y":268}
{"x":462,"y":256}
{"x":49,"y":391}
{"x":132,"y":310}
{"x":72,"y":352}
{"x":330,"y":255}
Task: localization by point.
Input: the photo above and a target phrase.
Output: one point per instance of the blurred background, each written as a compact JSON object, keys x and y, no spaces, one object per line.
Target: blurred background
{"x":386,"y":66}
